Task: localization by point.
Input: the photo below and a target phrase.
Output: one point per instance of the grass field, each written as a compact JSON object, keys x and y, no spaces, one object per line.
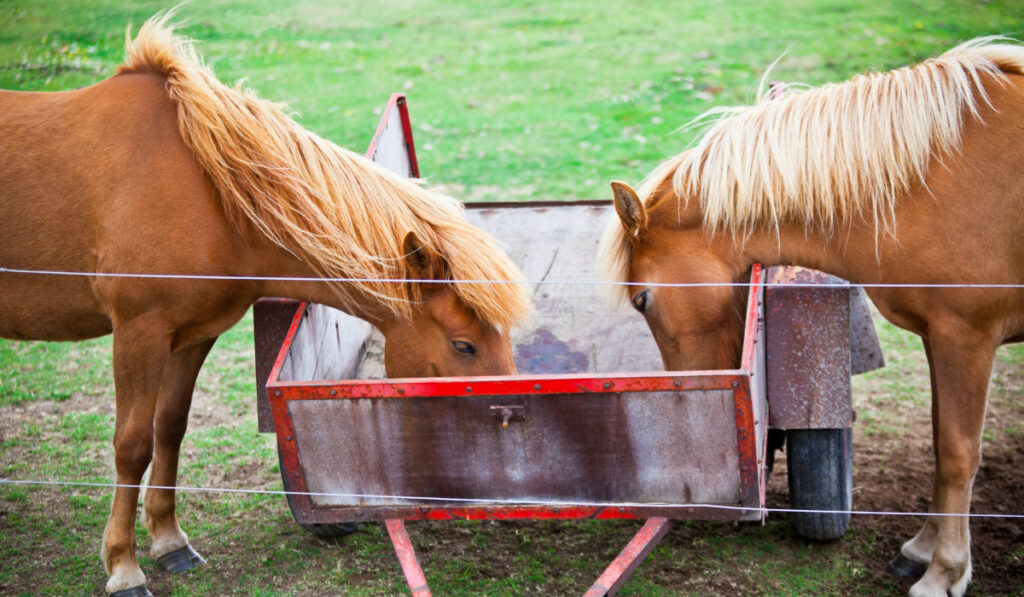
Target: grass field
{"x":516,"y":100}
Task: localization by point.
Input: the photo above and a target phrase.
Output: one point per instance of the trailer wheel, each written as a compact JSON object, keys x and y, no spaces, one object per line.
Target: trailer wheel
{"x":320,"y":529}
{"x":820,"y":471}
{"x":330,"y":530}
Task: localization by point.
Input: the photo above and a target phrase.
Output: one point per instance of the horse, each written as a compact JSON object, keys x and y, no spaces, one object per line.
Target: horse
{"x":185,"y":200}
{"x":908,"y":182}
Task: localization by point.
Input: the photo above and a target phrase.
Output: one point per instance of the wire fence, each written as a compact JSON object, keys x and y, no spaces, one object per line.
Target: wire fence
{"x":404,"y":500}
{"x":843,"y":284}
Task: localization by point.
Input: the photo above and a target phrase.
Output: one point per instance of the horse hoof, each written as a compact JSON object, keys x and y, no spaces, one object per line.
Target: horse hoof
{"x":180,"y":560}
{"x":904,"y":567}
{"x":142,"y":591}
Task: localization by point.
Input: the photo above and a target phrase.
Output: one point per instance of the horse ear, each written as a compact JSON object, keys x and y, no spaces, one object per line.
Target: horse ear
{"x":424,"y":264}
{"x":630,"y":209}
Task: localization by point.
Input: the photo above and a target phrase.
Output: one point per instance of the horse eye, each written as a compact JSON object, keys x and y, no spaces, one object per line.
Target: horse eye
{"x":640,"y":301}
{"x":463,"y":347}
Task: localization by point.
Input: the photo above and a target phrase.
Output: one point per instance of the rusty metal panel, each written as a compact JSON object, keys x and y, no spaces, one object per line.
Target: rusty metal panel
{"x":865,"y":349}
{"x":659,"y":447}
{"x":808,"y":342}
{"x":271,"y":318}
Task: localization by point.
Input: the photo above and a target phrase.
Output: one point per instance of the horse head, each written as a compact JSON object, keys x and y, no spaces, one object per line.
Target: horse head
{"x":444,"y":337}
{"x":699,"y":325}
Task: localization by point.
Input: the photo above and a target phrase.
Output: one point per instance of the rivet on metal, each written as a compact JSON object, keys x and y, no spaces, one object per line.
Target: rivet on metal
{"x":298,"y":474}
{"x":334,"y":392}
{"x":469,"y":388}
{"x":735,"y":384}
{"x":287,"y":438}
{"x":277,"y":392}
{"x":536,"y":386}
{"x":677,"y":383}
{"x":401,"y":390}
{"x":607,"y":385}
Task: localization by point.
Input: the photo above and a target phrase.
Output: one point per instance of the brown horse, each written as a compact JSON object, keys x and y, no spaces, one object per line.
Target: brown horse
{"x":908,"y":178}
{"x":162,"y":169}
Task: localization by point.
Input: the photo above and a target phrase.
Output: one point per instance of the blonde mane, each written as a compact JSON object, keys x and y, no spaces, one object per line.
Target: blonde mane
{"x":330,"y":207}
{"x":824,"y":156}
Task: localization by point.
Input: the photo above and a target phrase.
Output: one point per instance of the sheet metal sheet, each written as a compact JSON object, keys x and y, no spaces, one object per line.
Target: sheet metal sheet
{"x":643,"y":447}
{"x":808,"y":335}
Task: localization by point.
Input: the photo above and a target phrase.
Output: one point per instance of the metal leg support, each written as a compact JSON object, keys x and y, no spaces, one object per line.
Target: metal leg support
{"x":632,"y":555}
{"x":609,"y":583}
{"x":407,"y":558}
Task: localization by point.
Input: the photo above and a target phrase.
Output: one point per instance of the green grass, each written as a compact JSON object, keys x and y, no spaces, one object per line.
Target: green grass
{"x":32,"y":371}
{"x":519,"y":100}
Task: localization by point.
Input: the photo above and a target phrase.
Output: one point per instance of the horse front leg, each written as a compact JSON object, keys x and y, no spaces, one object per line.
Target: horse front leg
{"x":171,"y":548}
{"x":961,"y":363}
{"x":141,"y":352}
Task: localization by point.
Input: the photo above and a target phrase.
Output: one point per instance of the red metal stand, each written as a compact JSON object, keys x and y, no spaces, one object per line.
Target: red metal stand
{"x":619,"y":571}
{"x":616,"y":575}
{"x":407,"y":558}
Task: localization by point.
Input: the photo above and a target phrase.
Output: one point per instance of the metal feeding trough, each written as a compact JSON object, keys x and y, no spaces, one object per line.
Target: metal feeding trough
{"x":590,"y":428}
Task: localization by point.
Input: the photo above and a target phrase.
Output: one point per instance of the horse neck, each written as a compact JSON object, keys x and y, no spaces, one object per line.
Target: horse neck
{"x":806,"y":247}
{"x":303,"y":286}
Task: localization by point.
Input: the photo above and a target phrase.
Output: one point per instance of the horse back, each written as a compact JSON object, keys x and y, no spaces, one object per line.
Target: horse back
{"x":98,"y":179}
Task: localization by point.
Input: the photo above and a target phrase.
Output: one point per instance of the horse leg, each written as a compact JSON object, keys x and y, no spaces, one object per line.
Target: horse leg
{"x":961,"y":363}
{"x":916,"y":554}
{"x":170,"y":547}
{"x":141,"y":352}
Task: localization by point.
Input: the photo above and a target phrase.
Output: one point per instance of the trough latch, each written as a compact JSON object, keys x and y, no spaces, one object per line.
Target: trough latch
{"x":507,"y":413}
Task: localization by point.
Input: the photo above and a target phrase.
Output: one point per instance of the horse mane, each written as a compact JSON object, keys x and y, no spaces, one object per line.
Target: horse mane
{"x":334,"y":209}
{"x":823,"y":156}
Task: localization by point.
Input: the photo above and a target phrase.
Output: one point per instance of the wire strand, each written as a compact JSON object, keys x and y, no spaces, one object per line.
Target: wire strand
{"x":844,"y":284}
{"x":493,"y":502}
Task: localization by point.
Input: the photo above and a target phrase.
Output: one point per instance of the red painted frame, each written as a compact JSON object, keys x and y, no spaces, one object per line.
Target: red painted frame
{"x":397,"y":101}
{"x":738,"y":381}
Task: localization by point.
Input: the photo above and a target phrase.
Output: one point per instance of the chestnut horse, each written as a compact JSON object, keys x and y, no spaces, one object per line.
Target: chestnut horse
{"x":906,"y":179}
{"x":161,"y":169}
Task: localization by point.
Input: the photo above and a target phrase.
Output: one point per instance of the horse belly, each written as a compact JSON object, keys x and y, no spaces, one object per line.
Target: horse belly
{"x":35,"y":308}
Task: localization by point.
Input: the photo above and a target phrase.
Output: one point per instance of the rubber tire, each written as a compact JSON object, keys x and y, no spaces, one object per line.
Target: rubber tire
{"x":327,"y":530}
{"x":820,"y":471}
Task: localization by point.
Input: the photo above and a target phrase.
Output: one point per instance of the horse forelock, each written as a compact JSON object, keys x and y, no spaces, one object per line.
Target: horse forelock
{"x":824,"y":156}
{"x":334,"y":209}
